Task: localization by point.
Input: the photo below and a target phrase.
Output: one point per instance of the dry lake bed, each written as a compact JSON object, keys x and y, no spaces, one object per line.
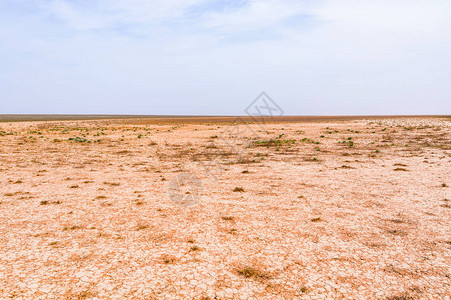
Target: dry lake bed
{"x":226,"y":209}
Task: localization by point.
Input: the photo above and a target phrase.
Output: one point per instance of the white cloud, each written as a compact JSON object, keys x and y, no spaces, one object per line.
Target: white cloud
{"x":399,"y":15}
{"x":257,"y":14}
{"x":104,"y":14}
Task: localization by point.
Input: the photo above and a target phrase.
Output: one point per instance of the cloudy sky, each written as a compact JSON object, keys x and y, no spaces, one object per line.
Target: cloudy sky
{"x":313,"y":57}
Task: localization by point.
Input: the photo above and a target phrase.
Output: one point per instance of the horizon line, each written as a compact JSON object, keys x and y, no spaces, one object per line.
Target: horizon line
{"x":4,"y":118}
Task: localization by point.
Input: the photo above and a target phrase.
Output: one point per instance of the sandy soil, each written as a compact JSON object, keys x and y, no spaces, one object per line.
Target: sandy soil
{"x":136,"y":209}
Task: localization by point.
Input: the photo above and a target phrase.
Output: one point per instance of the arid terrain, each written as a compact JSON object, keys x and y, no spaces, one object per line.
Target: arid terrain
{"x":327,"y":208}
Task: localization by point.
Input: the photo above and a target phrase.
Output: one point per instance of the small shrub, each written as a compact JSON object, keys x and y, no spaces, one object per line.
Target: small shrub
{"x":168,"y":259}
{"x":252,"y":272}
{"x":71,"y":228}
{"x":79,"y":140}
{"x":403,"y":296}
{"x":141,"y":227}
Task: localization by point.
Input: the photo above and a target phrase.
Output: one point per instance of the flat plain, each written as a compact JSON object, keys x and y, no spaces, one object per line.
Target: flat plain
{"x":223,"y":208}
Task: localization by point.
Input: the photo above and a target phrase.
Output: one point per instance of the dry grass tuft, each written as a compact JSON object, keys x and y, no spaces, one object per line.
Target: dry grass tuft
{"x":194,"y":248}
{"x":141,"y":227}
{"x":253,"y":272}
{"x":403,"y":296}
{"x":168,"y":259}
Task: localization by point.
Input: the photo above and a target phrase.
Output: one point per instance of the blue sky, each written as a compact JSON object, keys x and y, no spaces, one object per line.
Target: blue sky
{"x":202,"y":57}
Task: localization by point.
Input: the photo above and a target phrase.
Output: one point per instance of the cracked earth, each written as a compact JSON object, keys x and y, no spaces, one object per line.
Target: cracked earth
{"x":166,"y":209}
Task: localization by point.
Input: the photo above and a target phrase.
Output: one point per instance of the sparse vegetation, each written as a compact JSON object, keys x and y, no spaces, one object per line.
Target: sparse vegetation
{"x":74,"y":227}
{"x":168,"y":259}
{"x":79,"y":140}
{"x":252,"y":272}
{"x":403,"y":296}
{"x":194,"y":248}
{"x":141,"y":227}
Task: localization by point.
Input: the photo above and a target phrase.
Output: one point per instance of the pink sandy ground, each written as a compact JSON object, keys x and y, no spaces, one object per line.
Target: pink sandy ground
{"x":308,"y":215}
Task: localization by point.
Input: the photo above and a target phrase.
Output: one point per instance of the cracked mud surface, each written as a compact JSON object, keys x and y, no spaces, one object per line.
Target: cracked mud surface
{"x":343,"y":209}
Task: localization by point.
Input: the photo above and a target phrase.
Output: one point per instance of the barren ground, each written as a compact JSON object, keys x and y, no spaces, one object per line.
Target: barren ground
{"x":325,"y":209}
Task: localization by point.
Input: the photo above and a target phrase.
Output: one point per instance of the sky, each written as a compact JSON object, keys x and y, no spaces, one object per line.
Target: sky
{"x":203,"y":57}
